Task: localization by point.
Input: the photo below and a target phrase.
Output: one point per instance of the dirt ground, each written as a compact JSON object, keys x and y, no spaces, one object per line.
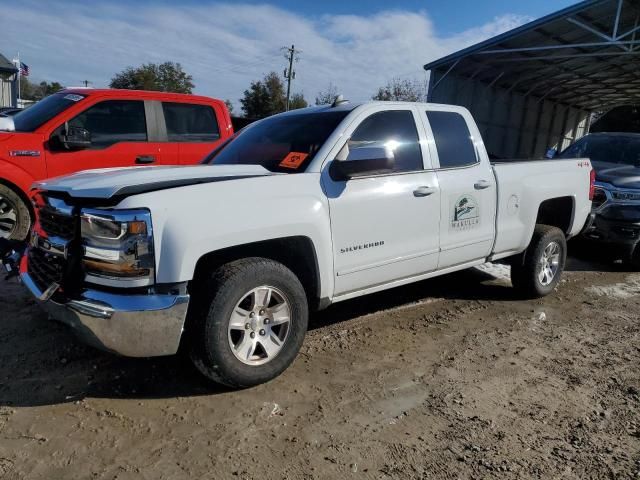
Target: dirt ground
{"x":449,"y":378}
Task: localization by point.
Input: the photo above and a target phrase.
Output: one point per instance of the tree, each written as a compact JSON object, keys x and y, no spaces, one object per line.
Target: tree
{"x":49,"y":88}
{"x":28,"y":90}
{"x":327,"y":96}
{"x":275,"y":89}
{"x":32,"y":91}
{"x":164,"y":77}
{"x":267,"y":97}
{"x":256,"y":102}
{"x":297,"y":101}
{"x":401,"y":91}
{"x":229,"y":105}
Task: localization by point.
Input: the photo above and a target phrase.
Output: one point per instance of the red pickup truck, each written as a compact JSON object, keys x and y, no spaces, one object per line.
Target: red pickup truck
{"x":80,"y":129}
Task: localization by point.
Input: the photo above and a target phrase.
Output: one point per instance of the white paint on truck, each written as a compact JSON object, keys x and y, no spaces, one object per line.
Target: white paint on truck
{"x":382,"y":227}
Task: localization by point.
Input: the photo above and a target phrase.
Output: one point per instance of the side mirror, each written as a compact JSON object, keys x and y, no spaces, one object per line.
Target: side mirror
{"x":364,"y":161}
{"x":6,"y":124}
{"x":76,"y":138}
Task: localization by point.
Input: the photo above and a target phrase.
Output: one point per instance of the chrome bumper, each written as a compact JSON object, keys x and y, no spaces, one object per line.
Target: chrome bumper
{"x":129,"y":325}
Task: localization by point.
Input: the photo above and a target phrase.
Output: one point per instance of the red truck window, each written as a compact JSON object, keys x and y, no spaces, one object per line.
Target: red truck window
{"x":187,"y":122}
{"x":113,"y":121}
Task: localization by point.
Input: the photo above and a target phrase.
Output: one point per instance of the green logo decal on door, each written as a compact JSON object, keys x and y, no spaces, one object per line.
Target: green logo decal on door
{"x":466,"y":213}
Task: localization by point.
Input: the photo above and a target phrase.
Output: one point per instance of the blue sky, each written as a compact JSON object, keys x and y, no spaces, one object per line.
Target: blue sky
{"x":449,"y":16}
{"x":355,"y":45}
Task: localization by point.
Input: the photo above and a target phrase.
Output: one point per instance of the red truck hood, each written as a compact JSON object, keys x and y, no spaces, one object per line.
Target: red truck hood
{"x":118,"y":182}
{"x":6,"y":136}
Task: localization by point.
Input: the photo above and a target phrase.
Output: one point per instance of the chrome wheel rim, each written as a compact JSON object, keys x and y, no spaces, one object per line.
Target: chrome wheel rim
{"x":8,"y":217}
{"x":549,"y":263}
{"x":259,"y":325}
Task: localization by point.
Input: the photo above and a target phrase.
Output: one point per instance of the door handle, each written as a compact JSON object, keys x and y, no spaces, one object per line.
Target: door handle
{"x":482,"y":184}
{"x":145,"y":159}
{"x":424,"y":191}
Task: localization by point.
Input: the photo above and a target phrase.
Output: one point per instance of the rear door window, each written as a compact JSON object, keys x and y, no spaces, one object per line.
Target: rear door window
{"x":113,"y":121}
{"x":188,"y":122}
{"x":453,"y":139}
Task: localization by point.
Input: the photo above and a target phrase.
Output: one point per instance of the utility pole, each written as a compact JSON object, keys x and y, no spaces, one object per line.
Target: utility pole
{"x":86,"y":83}
{"x":291,"y":54}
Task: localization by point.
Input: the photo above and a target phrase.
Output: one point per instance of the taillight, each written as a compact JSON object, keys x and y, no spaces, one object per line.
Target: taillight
{"x":599,"y":197}
{"x":592,"y":184}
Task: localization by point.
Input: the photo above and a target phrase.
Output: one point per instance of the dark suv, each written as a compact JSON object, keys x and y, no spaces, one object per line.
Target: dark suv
{"x":616,"y":203}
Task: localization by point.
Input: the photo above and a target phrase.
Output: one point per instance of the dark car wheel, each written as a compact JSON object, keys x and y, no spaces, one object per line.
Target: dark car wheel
{"x":248,"y":322}
{"x":15,"y":218}
{"x":538,"y":273}
{"x":634,"y":259}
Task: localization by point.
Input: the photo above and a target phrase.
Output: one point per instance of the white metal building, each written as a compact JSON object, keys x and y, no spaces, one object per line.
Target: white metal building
{"x":535,"y":87}
{"x":8,"y":79}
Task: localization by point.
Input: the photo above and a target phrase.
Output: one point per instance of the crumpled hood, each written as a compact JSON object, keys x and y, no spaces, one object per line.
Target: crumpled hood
{"x":114,"y":182}
{"x":618,"y":175}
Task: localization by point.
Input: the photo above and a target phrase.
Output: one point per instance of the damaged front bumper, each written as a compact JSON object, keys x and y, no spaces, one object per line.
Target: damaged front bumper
{"x":132,"y":325}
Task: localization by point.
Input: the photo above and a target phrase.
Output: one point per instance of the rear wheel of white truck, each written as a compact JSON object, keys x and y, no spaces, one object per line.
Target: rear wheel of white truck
{"x":249,"y":322}
{"x":538,"y":272}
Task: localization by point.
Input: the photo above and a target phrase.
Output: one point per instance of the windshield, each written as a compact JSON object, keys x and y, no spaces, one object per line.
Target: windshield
{"x":285,"y":143}
{"x":622,"y":149}
{"x":43,"y":111}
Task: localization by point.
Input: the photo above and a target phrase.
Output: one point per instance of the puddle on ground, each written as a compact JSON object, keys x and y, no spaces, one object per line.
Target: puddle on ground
{"x":628,"y":289}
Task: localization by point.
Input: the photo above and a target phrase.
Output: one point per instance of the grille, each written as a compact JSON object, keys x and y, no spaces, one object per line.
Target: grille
{"x":56,"y":224}
{"x":45,"y":268}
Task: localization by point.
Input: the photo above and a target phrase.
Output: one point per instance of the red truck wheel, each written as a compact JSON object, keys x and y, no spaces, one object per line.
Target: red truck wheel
{"x":15,"y":218}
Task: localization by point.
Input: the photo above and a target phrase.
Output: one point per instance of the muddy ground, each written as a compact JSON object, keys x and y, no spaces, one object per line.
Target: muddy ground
{"x":449,"y":378}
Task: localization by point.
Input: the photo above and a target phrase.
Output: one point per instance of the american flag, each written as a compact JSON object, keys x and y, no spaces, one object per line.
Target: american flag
{"x":24,"y":69}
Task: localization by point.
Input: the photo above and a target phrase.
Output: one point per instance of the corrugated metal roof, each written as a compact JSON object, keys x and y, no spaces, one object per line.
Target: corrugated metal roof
{"x":585,"y":56}
{"x":6,"y":65}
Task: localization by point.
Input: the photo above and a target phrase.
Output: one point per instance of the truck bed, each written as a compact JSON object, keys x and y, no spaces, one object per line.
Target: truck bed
{"x":523,"y":185}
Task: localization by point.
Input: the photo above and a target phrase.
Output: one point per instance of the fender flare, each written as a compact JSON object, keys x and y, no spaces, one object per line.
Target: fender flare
{"x":17,"y":179}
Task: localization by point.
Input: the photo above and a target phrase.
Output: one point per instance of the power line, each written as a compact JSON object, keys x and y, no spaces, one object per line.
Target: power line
{"x":291,"y":54}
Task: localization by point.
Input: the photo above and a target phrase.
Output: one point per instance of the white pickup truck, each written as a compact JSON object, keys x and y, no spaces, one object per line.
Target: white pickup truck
{"x":294,"y":213}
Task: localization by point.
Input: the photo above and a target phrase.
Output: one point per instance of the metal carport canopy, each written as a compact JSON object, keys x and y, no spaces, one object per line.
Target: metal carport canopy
{"x":580,"y":59}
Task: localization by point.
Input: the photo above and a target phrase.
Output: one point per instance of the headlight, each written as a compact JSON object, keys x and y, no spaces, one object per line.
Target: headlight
{"x":118,"y":247}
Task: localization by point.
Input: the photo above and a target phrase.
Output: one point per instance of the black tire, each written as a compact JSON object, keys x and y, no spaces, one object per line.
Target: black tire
{"x":18,"y":228}
{"x":634,"y":259}
{"x":526,"y":269}
{"x":214,"y":302}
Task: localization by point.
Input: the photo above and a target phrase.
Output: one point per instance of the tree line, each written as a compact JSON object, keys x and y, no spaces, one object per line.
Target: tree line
{"x":263,"y":98}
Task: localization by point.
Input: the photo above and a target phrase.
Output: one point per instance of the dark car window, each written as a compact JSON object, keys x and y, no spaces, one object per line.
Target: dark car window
{"x":284,"y":143}
{"x":113,"y":121}
{"x":623,"y":149}
{"x":396,"y":128}
{"x":38,"y":114}
{"x":453,"y":139}
{"x":190,"y":122}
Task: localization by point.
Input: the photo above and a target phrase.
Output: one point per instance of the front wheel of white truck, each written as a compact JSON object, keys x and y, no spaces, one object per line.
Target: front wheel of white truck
{"x":538,"y":271}
{"x":249,"y":322}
